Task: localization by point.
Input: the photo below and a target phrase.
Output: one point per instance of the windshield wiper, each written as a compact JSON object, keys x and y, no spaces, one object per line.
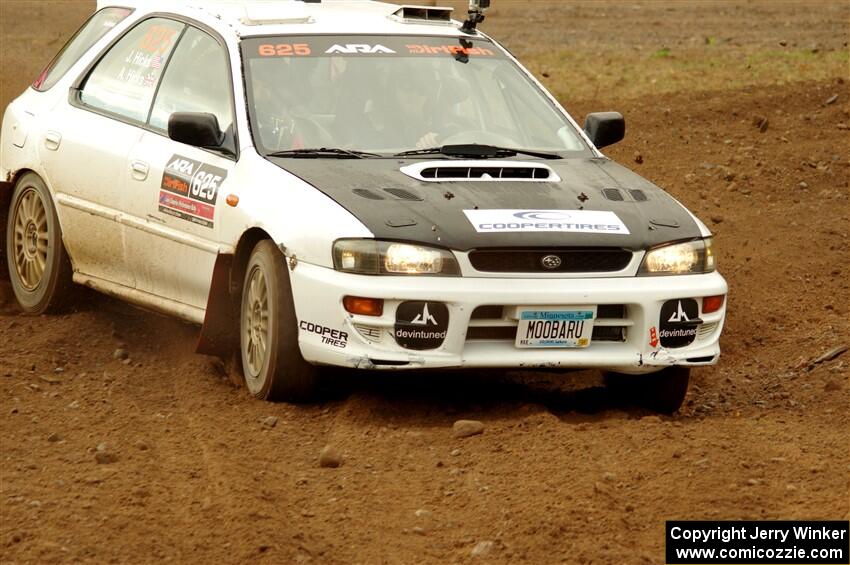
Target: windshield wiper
{"x":477,"y":151}
{"x":314,"y":153}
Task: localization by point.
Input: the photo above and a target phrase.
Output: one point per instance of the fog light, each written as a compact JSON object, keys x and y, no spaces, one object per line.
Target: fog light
{"x":712,"y":303}
{"x":364,"y":306}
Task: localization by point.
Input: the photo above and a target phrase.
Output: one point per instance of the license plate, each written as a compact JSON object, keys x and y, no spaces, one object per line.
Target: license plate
{"x":555,"y":327}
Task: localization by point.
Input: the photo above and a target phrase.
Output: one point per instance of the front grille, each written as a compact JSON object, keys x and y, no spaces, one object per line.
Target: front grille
{"x":599,"y":260}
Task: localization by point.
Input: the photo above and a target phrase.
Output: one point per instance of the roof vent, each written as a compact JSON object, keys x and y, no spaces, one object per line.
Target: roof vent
{"x":638,"y":195}
{"x":424,"y":14}
{"x":270,"y":13}
{"x":478,"y":171}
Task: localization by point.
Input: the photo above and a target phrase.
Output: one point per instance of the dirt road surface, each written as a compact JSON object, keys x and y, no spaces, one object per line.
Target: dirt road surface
{"x":162,"y":459}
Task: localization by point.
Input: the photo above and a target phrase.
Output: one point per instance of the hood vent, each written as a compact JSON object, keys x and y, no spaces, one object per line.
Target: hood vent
{"x":366,"y":193}
{"x":613,"y":194}
{"x":617,"y":195}
{"x":403,"y":194}
{"x":481,"y":171}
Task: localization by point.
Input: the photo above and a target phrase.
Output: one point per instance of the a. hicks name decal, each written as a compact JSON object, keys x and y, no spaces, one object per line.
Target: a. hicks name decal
{"x":576,"y":221}
{"x":189,"y":190}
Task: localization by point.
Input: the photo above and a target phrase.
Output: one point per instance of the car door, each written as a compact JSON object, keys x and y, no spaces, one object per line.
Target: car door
{"x":88,"y":142}
{"x":172,"y":194}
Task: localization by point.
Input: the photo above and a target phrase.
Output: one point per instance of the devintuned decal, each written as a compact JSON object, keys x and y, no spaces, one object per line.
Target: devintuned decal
{"x":576,"y":221}
{"x":189,"y":190}
{"x":421,"y":325}
{"x":678,"y":322}
{"x":329,"y":336}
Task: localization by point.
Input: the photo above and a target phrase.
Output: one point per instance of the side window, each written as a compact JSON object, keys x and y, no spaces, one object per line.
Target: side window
{"x":124,"y":81}
{"x":196,"y":80}
{"x":95,"y":28}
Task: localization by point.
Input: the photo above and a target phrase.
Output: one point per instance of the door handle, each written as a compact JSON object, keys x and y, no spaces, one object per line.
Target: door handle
{"x":139,"y":170}
{"x":52,"y":140}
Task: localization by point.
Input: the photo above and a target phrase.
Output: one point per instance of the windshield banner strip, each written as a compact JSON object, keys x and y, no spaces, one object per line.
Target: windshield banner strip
{"x":369,"y":46}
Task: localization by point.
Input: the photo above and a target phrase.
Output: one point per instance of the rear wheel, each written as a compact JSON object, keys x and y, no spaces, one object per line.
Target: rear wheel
{"x":271,"y":359}
{"x":39,"y":267}
{"x":662,"y":392}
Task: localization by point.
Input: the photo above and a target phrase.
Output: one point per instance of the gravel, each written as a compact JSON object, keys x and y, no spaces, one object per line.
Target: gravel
{"x":467,"y":428}
{"x":330,"y":458}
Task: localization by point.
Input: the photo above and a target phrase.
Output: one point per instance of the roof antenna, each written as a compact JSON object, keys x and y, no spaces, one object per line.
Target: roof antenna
{"x":476,"y":15}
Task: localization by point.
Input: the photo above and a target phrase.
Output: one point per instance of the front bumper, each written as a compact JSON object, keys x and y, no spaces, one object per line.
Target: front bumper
{"x":329,"y":335}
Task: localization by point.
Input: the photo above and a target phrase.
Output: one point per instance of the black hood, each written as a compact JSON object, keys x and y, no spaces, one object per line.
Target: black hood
{"x":433,"y":212}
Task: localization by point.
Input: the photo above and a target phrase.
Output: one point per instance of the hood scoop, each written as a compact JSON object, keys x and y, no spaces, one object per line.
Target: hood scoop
{"x":480,"y":171}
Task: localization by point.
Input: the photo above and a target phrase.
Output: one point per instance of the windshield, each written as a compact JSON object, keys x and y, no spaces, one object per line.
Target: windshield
{"x":388,"y":94}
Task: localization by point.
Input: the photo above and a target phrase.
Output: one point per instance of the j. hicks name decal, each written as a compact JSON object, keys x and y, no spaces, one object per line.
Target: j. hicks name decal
{"x":576,"y":221}
{"x":189,"y":190}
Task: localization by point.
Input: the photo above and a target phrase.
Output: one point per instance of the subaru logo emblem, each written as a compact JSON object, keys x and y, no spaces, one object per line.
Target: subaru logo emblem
{"x":550,"y":262}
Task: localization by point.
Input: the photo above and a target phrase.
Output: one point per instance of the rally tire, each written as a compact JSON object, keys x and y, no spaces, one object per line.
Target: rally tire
{"x":272,"y":364}
{"x":39,"y":267}
{"x":662,"y":392}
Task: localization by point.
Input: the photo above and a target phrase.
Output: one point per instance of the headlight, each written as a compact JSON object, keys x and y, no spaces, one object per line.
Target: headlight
{"x":372,"y":257}
{"x":686,"y":258}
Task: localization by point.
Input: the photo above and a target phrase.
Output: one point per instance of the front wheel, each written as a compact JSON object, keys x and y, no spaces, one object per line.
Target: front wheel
{"x":39,"y":267}
{"x":662,"y":392}
{"x":271,"y":358}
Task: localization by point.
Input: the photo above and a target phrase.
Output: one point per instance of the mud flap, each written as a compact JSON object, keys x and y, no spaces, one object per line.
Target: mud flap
{"x":6,"y":189}
{"x":219,"y":334}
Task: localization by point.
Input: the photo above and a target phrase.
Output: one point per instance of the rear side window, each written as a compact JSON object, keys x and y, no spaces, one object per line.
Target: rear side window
{"x":95,"y":28}
{"x":124,"y":81}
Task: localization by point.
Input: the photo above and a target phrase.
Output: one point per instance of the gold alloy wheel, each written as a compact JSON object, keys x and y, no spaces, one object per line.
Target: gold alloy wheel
{"x":255,"y":325}
{"x":30,"y":239}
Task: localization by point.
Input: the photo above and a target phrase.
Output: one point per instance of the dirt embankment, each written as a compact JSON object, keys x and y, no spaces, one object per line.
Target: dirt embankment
{"x":160,"y":458}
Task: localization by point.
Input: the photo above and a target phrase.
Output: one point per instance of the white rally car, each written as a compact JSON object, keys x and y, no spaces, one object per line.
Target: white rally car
{"x":348,"y":183}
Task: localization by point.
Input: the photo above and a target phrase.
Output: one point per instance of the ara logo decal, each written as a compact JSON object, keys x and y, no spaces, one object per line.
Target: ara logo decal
{"x":421,"y":325}
{"x":653,"y":337}
{"x":355,"y":48}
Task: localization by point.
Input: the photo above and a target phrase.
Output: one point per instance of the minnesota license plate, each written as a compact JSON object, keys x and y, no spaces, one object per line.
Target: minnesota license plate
{"x":555,"y":327}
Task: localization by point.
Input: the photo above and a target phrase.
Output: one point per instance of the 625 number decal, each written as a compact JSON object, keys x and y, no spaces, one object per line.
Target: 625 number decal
{"x":284,"y":49}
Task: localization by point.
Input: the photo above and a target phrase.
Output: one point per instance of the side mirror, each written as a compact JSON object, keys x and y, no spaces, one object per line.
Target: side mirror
{"x":605,"y":128}
{"x":198,"y":129}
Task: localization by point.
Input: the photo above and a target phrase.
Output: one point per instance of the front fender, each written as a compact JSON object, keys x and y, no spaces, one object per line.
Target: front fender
{"x":303,"y":221}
